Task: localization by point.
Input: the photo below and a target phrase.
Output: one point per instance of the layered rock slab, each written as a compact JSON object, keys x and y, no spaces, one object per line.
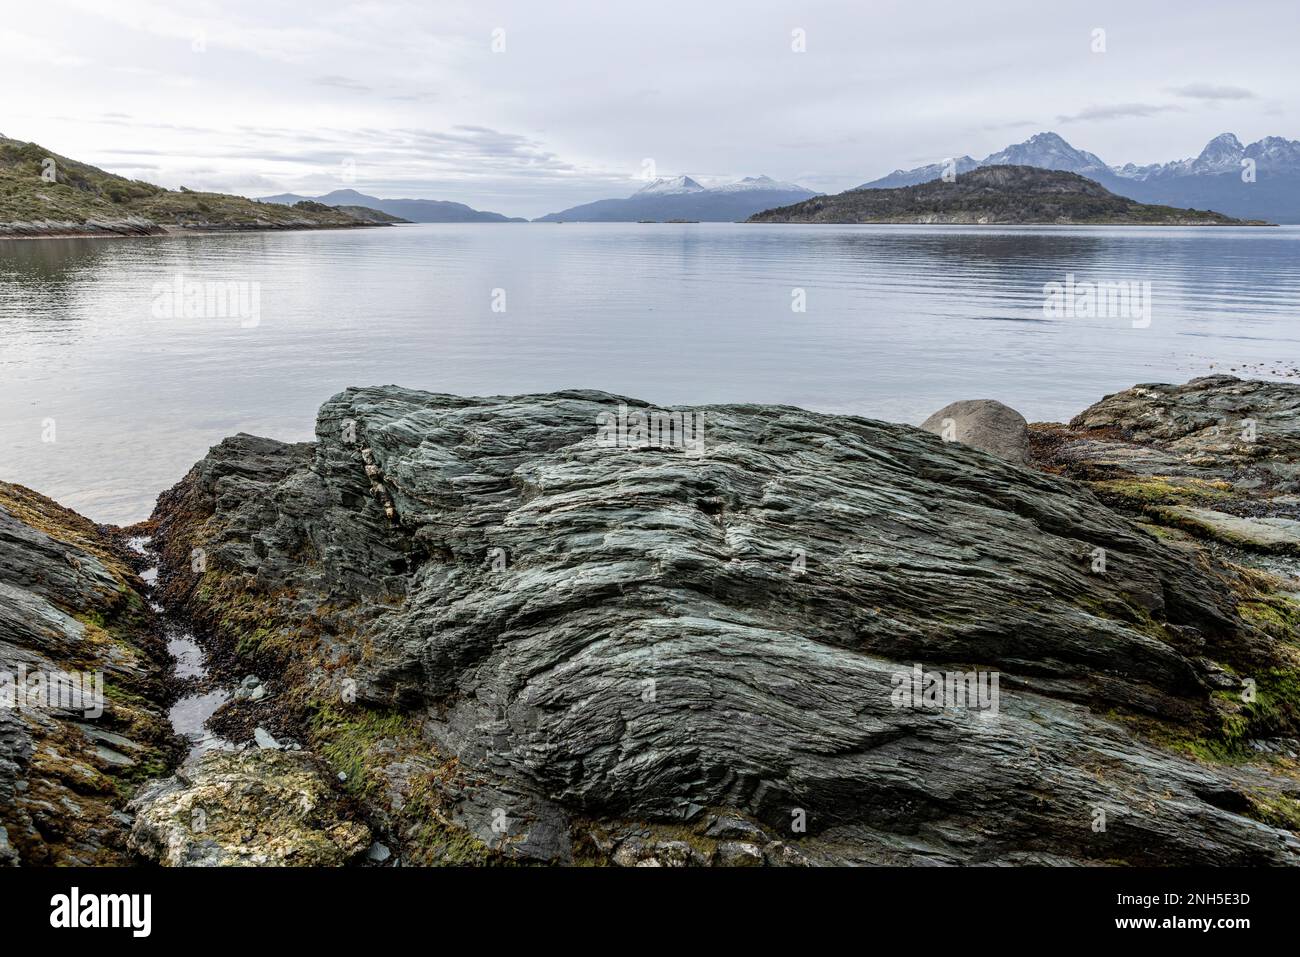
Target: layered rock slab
{"x":597,"y":633}
{"x":72,"y":612}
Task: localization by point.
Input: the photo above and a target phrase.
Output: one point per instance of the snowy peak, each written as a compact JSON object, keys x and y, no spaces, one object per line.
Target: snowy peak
{"x":1221,"y":153}
{"x":683,"y":199}
{"x":1224,"y":154}
{"x":669,"y":187}
{"x":752,"y":183}
{"x":1046,"y":151}
{"x":684,"y":184}
{"x":1274,"y":152}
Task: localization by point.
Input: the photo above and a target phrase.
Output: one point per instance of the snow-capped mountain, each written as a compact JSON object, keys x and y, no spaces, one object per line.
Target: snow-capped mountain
{"x":1047,"y":151}
{"x":919,"y":175}
{"x":1224,"y":154}
{"x":684,"y":198}
{"x":1211,"y":180}
{"x":757,"y":183}
{"x":669,"y":187}
{"x":1043,"y":150}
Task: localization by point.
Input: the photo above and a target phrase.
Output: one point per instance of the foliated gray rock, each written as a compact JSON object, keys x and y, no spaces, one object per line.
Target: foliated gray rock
{"x":530,"y":632}
{"x":983,"y":424}
{"x":82,"y":699}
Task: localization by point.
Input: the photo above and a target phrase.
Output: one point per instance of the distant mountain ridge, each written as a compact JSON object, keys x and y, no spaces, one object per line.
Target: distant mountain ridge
{"x":992,"y":195}
{"x":1211,"y":180}
{"x":411,"y":210}
{"x":682,"y":198}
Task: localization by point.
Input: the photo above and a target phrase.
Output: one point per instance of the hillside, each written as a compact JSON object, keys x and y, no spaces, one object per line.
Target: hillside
{"x":993,"y":195}
{"x":45,"y":194}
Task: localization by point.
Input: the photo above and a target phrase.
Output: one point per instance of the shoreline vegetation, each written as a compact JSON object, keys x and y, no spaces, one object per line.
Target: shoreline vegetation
{"x":493,"y":637}
{"x":45,"y":195}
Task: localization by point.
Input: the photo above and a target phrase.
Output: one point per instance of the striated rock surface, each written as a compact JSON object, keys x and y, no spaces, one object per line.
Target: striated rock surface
{"x":72,"y":615}
{"x":252,"y":808}
{"x":983,"y":424}
{"x":514,"y":638}
{"x":106,"y":226}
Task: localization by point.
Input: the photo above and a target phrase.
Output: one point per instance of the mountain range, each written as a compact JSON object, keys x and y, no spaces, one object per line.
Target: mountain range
{"x":682,"y":198}
{"x":1211,"y":180}
{"x":993,"y":195}
{"x":411,"y":210}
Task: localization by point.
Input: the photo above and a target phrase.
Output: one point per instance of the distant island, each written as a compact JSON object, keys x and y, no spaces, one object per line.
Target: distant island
{"x":994,"y":195}
{"x":409,"y":210}
{"x":45,"y":194}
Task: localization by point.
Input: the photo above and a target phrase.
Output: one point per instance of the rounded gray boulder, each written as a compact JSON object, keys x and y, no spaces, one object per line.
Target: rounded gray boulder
{"x":983,"y":424}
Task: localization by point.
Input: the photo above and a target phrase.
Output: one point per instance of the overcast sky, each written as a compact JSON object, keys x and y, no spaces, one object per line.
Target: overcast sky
{"x":412,"y":99}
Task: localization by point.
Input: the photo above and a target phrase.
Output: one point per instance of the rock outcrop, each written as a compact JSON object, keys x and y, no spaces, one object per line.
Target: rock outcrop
{"x":118,"y":226}
{"x":82,"y":712}
{"x":1218,"y":457}
{"x":518,"y":628}
{"x":983,"y":424}
{"x":253,"y":808}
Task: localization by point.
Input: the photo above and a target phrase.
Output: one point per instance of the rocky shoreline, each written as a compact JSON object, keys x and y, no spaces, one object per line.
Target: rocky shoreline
{"x":498,"y":633}
{"x":134,"y":227}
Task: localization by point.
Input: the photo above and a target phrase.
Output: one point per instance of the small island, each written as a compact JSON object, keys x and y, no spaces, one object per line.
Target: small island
{"x":995,"y":196}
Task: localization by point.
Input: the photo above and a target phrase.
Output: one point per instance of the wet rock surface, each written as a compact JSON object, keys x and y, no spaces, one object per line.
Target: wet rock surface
{"x":511,"y":640}
{"x":72,"y":611}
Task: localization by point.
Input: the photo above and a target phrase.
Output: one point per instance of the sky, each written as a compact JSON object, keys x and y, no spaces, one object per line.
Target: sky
{"x":530,"y":107}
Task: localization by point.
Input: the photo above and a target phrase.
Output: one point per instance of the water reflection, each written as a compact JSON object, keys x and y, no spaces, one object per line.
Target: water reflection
{"x":899,"y":321}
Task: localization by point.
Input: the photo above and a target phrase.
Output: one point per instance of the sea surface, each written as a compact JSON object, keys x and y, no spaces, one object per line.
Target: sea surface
{"x":111,"y":387}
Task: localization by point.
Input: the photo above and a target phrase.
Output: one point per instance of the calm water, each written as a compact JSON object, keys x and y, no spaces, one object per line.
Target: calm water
{"x":899,"y":321}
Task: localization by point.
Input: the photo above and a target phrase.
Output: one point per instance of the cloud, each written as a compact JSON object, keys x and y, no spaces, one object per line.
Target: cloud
{"x":1119,"y":111}
{"x":341,"y":83}
{"x":1208,"y":91}
{"x":1010,"y":125}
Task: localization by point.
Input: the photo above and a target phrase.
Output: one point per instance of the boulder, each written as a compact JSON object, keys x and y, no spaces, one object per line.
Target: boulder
{"x":983,"y":424}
